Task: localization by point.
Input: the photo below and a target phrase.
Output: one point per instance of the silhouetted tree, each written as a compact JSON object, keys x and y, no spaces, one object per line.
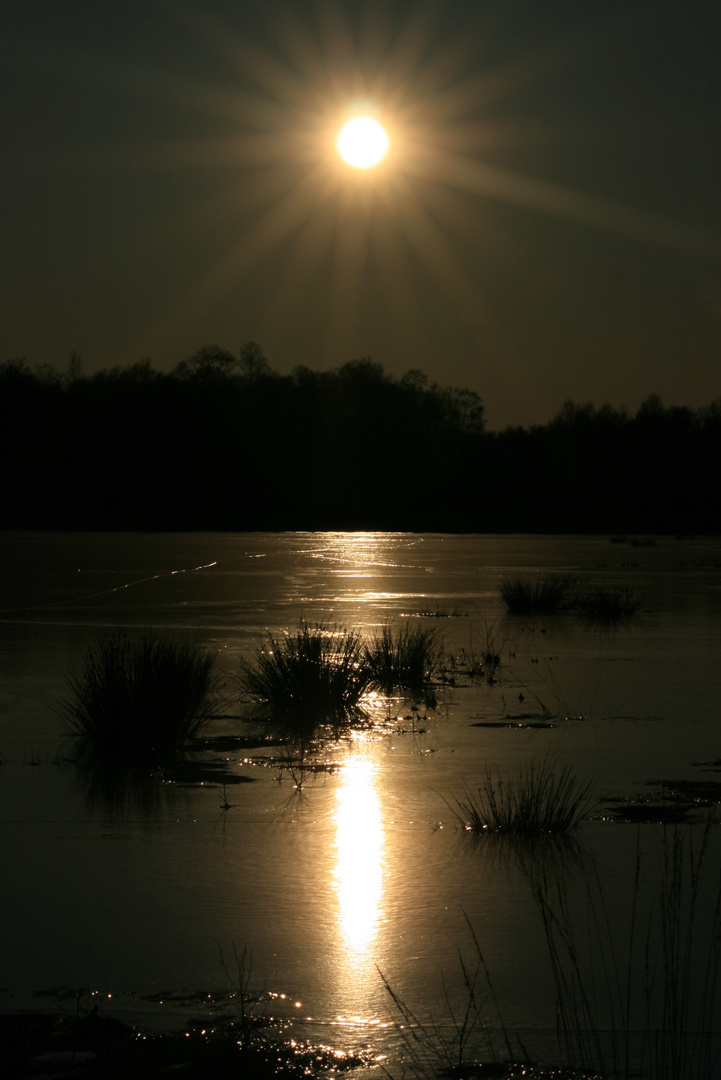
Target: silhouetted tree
{"x":571,"y":414}
{"x":211,"y":364}
{"x":75,"y":367}
{"x":253,"y":362}
{"x":466,"y":410}
{"x":227,"y":444}
{"x":414,"y":380}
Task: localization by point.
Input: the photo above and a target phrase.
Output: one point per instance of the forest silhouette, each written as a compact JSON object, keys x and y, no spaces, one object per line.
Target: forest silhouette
{"x":225,"y":443}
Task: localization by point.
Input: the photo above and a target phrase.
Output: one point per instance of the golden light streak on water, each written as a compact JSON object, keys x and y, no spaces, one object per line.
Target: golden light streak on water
{"x":358,"y":554}
{"x":359,"y":857}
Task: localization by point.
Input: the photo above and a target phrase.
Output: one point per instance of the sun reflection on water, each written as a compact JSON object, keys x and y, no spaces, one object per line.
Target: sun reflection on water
{"x":358,"y":554}
{"x":359,"y":856}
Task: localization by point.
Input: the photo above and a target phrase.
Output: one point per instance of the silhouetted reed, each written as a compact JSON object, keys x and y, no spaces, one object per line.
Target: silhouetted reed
{"x":483,"y":661}
{"x":315,"y":675}
{"x":139,"y":698}
{"x":404,"y":660}
{"x":538,"y":596}
{"x":540,"y":801}
{"x":461,"y":1042}
{"x":635,"y":976}
{"x":642,"y":1002}
{"x":606,"y":605}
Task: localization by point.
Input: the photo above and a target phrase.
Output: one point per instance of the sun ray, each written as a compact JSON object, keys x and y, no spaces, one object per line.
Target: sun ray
{"x":435,"y":251}
{"x":349,"y":262}
{"x":280,"y":222}
{"x":397,"y":285}
{"x":492,"y":182}
{"x":313,"y":70}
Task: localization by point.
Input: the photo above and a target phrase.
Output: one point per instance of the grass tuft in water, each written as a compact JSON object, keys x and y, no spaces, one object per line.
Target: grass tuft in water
{"x":606,"y":605}
{"x":138,"y":697}
{"x":403,"y":660}
{"x":313,"y":676}
{"x":539,"y":801}
{"x":546,"y":595}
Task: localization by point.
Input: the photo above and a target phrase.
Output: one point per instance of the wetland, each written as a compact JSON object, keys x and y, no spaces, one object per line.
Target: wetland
{"x":336,"y":859}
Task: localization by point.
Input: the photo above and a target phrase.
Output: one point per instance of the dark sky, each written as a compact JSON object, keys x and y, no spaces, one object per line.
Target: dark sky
{"x":547,"y":224}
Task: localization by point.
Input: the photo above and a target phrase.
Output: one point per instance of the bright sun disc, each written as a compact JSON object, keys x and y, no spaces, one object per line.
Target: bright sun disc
{"x":362,"y":142}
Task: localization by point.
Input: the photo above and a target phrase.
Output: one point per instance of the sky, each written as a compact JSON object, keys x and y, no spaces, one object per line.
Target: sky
{"x":546,"y":224}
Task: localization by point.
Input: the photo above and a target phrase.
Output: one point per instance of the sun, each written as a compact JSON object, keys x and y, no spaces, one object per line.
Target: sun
{"x":362,"y":142}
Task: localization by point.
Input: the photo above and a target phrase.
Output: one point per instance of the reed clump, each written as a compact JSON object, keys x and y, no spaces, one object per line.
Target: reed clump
{"x":404,"y":659}
{"x":606,"y":605}
{"x":137,"y":697}
{"x":318,"y":674}
{"x":540,"y":801}
{"x":545,"y":595}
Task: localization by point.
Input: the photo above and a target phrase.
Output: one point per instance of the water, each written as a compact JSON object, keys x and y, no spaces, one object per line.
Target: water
{"x":367,"y":870}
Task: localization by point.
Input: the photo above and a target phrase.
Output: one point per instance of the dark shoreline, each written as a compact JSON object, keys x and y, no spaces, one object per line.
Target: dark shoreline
{"x":203,"y":449}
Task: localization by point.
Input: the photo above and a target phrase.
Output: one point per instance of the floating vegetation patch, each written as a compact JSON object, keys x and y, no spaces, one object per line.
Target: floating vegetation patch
{"x":119,"y":785}
{"x":199,"y":773}
{"x":519,"y":722}
{"x":230,"y":744}
{"x":439,"y":612}
{"x":670,"y":802}
{"x":646,"y":811}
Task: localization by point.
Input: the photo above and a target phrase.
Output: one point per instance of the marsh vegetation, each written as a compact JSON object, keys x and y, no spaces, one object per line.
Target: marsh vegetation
{"x":313,"y":675}
{"x":202,"y":814}
{"x":320,"y":674}
{"x":543,"y":799}
{"x":140,"y":698}
{"x":552,"y":594}
{"x":403,"y":659}
{"x":644,"y":1003}
{"x":633,"y":999}
{"x":606,"y":605}
{"x":543,"y":595}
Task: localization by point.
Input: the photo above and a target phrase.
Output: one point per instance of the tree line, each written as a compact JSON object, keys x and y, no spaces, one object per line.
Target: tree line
{"x":223,"y":442}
